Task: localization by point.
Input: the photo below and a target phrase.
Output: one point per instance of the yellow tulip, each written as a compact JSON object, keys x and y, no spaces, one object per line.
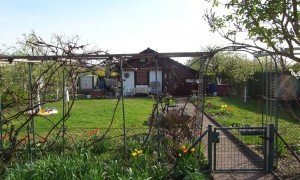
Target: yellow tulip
{"x":193,"y":150}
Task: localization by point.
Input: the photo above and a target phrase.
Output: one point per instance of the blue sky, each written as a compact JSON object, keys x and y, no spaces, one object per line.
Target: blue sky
{"x":119,"y":26}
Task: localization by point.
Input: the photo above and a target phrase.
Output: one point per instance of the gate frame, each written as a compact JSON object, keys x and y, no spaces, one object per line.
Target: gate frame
{"x":268,"y":150}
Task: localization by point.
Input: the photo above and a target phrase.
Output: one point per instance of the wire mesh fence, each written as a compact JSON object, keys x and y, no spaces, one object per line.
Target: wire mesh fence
{"x":288,"y":160}
{"x":288,"y":149}
{"x":288,"y":167}
{"x":240,"y":149}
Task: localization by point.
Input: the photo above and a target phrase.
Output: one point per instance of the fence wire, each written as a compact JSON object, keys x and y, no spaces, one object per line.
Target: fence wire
{"x":232,"y":153}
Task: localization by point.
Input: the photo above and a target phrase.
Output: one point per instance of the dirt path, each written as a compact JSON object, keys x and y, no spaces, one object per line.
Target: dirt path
{"x":232,"y":155}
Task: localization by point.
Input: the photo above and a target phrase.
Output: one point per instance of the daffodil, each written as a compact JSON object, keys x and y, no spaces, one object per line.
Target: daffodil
{"x":140,"y":151}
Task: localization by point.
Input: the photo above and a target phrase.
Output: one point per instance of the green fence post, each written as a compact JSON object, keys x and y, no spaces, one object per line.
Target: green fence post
{"x":32,"y":129}
{"x":271,"y":147}
{"x":123,"y":106}
{"x":1,"y":134}
{"x":210,"y":142}
{"x":64,"y":108}
{"x":265,"y":141}
{"x":28,"y":143}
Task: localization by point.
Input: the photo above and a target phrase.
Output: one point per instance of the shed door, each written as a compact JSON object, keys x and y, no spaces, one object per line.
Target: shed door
{"x":86,"y":82}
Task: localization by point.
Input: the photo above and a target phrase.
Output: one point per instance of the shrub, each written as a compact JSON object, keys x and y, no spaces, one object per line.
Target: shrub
{"x":176,"y":126}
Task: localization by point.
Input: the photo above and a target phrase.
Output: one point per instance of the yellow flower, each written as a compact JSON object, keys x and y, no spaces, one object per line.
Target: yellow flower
{"x":182,"y":147}
{"x":133,"y":153}
{"x":179,"y":155}
{"x":225,"y":105}
{"x":222,"y":106}
{"x":140,"y":151}
{"x":193,"y":150}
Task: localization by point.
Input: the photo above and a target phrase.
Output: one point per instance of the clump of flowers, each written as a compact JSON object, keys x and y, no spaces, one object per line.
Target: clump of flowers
{"x":137,"y":152}
{"x":94,"y":132}
{"x":185,"y":150}
{"x":43,"y":139}
{"x":226,"y":110}
{"x":229,"y":112}
{"x":188,"y":160}
{"x":5,"y":141}
{"x":23,"y":138}
{"x":223,"y":107}
{"x":138,"y":159}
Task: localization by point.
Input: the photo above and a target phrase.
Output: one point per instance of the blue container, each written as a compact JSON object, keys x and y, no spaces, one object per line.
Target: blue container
{"x":212,"y":87}
{"x":102,"y":85}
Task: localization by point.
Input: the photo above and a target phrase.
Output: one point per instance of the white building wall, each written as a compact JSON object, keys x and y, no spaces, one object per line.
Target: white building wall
{"x":128,"y":82}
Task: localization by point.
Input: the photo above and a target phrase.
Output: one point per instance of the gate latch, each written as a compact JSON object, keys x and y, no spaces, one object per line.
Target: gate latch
{"x":216,"y":137}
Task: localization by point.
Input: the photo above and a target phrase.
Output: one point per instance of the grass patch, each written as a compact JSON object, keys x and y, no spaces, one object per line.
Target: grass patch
{"x":240,"y":113}
{"x":88,"y":114}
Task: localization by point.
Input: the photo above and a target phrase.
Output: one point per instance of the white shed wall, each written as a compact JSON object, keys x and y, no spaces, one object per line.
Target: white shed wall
{"x":129,"y":82}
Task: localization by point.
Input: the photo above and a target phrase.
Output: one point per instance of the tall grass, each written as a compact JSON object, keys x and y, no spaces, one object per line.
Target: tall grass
{"x":110,"y":163}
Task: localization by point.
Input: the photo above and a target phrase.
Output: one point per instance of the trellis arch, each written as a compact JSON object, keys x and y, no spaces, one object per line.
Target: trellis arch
{"x":269,"y":86}
{"x":270,"y":96}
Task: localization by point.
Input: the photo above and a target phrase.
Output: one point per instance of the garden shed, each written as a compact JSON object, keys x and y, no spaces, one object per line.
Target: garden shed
{"x":87,"y":83}
{"x":172,"y":76}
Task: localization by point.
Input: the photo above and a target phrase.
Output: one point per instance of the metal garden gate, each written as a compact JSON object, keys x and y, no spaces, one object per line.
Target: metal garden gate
{"x":241,"y":148}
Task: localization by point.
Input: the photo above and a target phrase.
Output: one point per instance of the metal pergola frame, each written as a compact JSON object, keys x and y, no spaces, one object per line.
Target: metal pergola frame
{"x":87,"y":57}
{"x":205,"y":57}
{"x":102,"y":56}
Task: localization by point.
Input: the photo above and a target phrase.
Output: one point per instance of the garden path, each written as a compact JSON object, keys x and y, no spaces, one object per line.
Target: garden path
{"x":227,"y":154}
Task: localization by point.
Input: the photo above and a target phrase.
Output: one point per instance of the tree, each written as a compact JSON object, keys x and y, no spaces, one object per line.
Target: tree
{"x":22,"y":83}
{"x":272,"y":25}
{"x":227,"y":67}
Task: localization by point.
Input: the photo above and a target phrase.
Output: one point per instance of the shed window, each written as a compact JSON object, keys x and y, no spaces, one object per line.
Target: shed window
{"x":141,"y":77}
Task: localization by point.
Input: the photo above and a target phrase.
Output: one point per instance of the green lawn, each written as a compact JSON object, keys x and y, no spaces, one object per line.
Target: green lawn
{"x":89,"y":114}
{"x":98,"y":113}
{"x":239,"y":113}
